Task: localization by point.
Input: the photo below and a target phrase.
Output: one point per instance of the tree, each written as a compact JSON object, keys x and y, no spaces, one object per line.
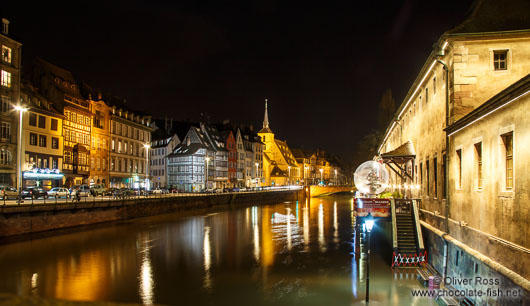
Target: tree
{"x":386,"y":109}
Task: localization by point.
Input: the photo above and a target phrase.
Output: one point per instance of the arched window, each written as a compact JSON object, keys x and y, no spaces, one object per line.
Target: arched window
{"x":5,"y":157}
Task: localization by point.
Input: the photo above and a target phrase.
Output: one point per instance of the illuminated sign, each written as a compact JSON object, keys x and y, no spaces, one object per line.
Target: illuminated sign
{"x":43,"y":176}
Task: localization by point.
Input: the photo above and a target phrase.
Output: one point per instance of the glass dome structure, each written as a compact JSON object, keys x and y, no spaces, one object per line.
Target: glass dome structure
{"x":371,"y":177}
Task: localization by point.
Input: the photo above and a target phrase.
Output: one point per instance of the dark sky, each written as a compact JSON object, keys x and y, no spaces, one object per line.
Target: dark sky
{"x":323,"y":65}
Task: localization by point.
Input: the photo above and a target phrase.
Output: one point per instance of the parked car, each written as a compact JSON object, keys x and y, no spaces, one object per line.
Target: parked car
{"x":98,"y":189}
{"x":8,"y":192}
{"x":158,"y":191}
{"x":59,"y":192}
{"x":34,"y":193}
{"x":84,"y":190}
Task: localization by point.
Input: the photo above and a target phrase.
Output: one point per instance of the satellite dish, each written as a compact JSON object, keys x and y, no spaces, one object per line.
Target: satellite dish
{"x":371,"y":177}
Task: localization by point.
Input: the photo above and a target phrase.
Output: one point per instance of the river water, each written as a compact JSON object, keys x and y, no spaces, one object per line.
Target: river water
{"x":292,"y":253}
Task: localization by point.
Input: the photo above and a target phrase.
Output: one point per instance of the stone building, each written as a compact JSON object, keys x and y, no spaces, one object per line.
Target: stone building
{"x":61,"y":90}
{"x":10,"y":64}
{"x":100,"y":137}
{"x":241,"y":160}
{"x":473,"y":66}
{"x":230,"y":145}
{"x":130,"y":135}
{"x":42,"y":141}
{"x":281,"y":165}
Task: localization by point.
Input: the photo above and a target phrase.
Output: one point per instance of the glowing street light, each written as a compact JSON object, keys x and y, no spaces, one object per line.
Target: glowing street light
{"x":321,"y":177}
{"x":21,"y":109}
{"x":147,"y":147}
{"x":305,"y":173}
{"x":369,"y":224}
{"x":335,"y":177}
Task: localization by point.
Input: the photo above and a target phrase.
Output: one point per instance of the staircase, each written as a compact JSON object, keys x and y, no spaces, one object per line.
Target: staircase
{"x":406,"y":235}
{"x":408,"y":240}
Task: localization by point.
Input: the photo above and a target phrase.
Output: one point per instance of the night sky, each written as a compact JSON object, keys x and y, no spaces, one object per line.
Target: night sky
{"x":322,"y":65}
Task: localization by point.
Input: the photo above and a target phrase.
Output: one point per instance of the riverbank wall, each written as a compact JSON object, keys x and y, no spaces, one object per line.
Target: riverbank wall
{"x":484,"y":280}
{"x":26,"y":219}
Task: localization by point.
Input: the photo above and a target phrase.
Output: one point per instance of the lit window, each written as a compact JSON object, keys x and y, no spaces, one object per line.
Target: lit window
{"x":32,"y":139}
{"x":42,"y":141}
{"x":6,"y":54}
{"x":55,"y":143}
{"x":500,"y":59}
{"x":5,"y":79}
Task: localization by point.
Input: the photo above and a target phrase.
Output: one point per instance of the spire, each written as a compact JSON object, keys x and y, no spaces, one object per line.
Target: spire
{"x":266,"y":119}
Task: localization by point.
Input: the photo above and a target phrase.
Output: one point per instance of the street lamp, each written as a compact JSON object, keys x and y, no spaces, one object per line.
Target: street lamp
{"x":21,"y":109}
{"x":147,"y":147}
{"x":305,"y":174}
{"x":369,"y":224}
{"x":257,"y":177}
{"x":207,"y":159}
{"x":321,"y":178}
{"x":335,"y":177}
{"x":289,"y":178}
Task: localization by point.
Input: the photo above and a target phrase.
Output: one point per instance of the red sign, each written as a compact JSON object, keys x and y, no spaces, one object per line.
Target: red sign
{"x":376,"y":207}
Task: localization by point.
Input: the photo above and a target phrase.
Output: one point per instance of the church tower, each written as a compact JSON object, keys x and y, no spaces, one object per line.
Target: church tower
{"x":267,"y":136}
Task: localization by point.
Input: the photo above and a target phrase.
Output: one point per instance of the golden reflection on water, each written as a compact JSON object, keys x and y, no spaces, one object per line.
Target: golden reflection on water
{"x":207,"y":259}
{"x":321,"y":239}
{"x":81,"y":278}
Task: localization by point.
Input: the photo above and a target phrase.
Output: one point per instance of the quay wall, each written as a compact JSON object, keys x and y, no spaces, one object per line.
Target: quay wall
{"x":465,"y":262}
{"x":27,"y":219}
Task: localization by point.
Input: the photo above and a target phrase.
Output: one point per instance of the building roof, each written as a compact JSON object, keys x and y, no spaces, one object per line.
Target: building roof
{"x":511,"y":94}
{"x":286,"y":152}
{"x":495,"y":16}
{"x":276,"y":171}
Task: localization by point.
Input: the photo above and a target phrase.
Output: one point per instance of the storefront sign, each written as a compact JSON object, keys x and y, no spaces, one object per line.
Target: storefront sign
{"x":376,"y":207}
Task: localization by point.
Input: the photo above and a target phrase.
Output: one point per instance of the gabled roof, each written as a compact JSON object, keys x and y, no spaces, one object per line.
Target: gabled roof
{"x":197,"y":140}
{"x":276,"y":171}
{"x":286,"y":153}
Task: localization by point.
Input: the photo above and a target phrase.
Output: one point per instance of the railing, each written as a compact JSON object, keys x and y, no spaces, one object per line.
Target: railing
{"x":394,"y":225}
{"x":121,"y":197}
{"x":419,"y":235}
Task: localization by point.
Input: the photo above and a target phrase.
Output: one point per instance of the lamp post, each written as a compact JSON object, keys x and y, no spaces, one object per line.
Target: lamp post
{"x":147,"y":147}
{"x":289,"y":178}
{"x":207,"y":159}
{"x":305,"y":174}
{"x":257,"y":177}
{"x":321,"y":177}
{"x":369,"y":223}
{"x":336,"y":177}
{"x":21,"y":111}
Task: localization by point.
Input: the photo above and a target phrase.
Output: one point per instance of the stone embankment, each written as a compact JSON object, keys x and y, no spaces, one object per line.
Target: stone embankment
{"x":27,"y":218}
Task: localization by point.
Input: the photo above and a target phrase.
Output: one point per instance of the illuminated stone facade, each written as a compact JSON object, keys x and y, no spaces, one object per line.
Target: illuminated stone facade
{"x":10,"y":63}
{"x":281,"y":165}
{"x":100,"y":139}
{"x":483,"y":213}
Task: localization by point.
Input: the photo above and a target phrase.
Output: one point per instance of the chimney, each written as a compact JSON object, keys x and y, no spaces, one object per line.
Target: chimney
{"x":5,"y":26}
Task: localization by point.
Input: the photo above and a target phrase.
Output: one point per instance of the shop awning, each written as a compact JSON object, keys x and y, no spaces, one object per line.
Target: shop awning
{"x":398,"y":158}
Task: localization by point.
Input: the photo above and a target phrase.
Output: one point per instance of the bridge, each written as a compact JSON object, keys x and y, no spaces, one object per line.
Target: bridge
{"x":315,"y":191}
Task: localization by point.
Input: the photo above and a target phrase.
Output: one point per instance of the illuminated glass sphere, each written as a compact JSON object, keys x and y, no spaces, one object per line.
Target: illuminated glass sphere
{"x":371,"y":177}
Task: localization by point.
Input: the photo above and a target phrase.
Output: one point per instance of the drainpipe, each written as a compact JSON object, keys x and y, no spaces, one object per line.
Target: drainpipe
{"x":446,"y":174}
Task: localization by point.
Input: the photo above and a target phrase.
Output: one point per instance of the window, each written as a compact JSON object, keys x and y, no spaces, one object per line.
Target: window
{"x":426,"y":95}
{"x":42,"y":141}
{"x":427,"y":175}
{"x":435,"y":168}
{"x":54,"y":124}
{"x":55,"y":143}
{"x":5,"y":157}
{"x":500,"y":60}
{"x":444,"y":186}
{"x":112,"y":145}
{"x":478,"y":164}
{"x":6,"y":54}
{"x":434,"y":85}
{"x":459,"y":165}
{"x":5,"y":79}
{"x":508,"y":149}
{"x":42,"y":122}
{"x":32,"y":139}
{"x":6,"y":130}
{"x":99,"y":120}
{"x":4,"y":106}
{"x":68,"y":157}
{"x":32,"y":119}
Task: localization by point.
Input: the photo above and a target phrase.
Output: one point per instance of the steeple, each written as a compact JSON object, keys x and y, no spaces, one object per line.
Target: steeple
{"x":266,"y":128}
{"x":266,"y":119}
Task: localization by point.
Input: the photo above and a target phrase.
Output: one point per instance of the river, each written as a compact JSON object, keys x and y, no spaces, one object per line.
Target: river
{"x":292,"y":253}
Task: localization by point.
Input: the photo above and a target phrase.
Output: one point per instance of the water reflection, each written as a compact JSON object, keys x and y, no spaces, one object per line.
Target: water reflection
{"x":147,"y":284}
{"x":299,"y":253}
